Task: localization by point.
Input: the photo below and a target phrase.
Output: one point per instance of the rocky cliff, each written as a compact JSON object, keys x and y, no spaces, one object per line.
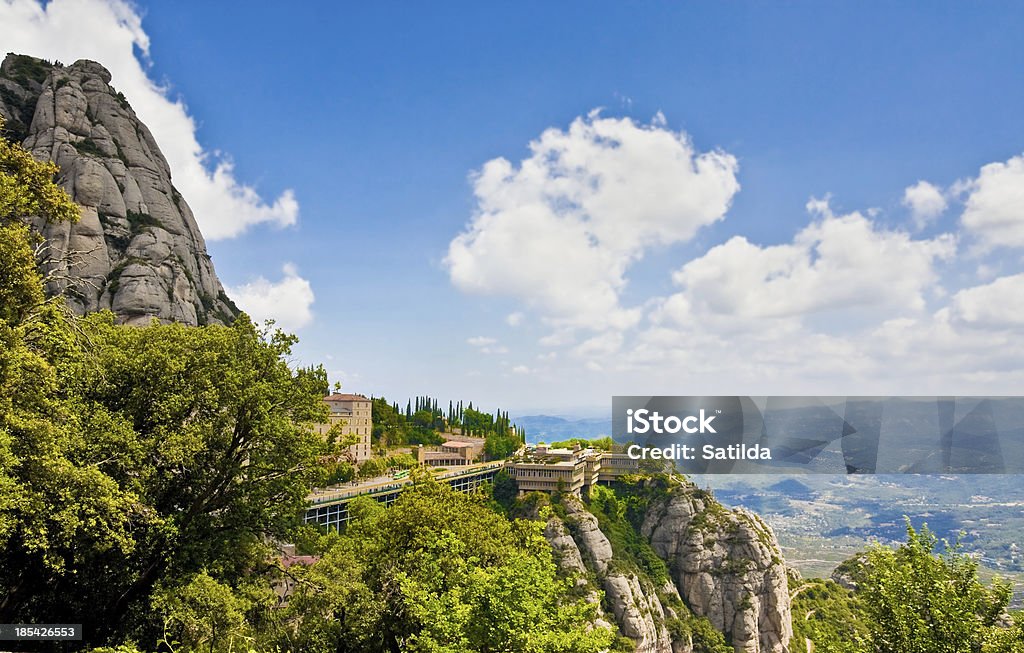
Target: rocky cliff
{"x":673,"y":569}
{"x":137,"y":249}
{"x":727,"y":567}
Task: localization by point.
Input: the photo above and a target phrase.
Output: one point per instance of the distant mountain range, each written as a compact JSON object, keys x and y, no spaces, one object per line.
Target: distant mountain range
{"x":548,"y":428}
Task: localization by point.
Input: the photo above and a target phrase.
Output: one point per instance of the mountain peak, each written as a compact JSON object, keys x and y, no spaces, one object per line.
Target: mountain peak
{"x":137,"y":250}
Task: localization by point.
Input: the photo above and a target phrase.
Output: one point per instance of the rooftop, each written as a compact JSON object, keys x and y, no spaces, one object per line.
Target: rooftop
{"x":345,"y":397}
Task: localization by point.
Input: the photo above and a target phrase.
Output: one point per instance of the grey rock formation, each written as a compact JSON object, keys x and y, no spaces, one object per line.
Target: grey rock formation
{"x":137,"y":249}
{"x":727,"y":566}
{"x":635,"y":605}
{"x":567,"y":553}
{"x":570,"y":560}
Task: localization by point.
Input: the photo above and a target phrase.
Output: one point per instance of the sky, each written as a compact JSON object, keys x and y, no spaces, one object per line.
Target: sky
{"x":536,"y":206}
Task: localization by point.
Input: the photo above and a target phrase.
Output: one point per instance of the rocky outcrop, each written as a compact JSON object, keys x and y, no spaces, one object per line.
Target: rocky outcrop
{"x":567,"y":553}
{"x":137,"y":249}
{"x":726,"y":565}
{"x":634,"y":604}
{"x":570,"y":561}
{"x":722,"y":568}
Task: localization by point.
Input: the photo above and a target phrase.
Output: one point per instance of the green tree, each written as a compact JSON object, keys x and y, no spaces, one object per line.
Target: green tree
{"x":424,"y":426}
{"x":372,"y":467}
{"x":440,"y":571}
{"x":501,"y":445}
{"x":401,"y":461}
{"x":922,"y":602}
{"x":504,"y":490}
{"x":204,"y":614}
{"x":53,"y":511}
{"x":1006,"y":640}
{"x":389,"y":426}
{"x":133,"y":458}
{"x":213,"y":435}
{"x":340,"y":472}
{"x":477,"y":422}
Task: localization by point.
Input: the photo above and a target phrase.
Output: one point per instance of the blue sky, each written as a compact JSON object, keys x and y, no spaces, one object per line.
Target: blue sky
{"x":377,"y":115}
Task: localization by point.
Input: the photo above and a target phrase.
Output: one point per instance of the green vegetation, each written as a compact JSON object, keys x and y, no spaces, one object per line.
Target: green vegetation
{"x":25,"y":69}
{"x":89,"y":147}
{"x":921,"y":601}
{"x":424,"y":422}
{"x":167,"y":452}
{"x":16,"y":129}
{"x":631,"y":549}
{"x":604,"y":444}
{"x":504,"y":491}
{"x":379,"y":466}
{"x":910,"y":599}
{"x":501,"y":444}
{"x":830,"y":616}
{"x":438,"y":571}
{"x":140,"y":221}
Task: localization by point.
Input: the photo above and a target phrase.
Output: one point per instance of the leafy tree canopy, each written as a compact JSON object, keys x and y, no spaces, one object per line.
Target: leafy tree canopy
{"x":915,"y":598}
{"x":134,"y":459}
{"x":440,"y":571}
{"x":922,"y":602}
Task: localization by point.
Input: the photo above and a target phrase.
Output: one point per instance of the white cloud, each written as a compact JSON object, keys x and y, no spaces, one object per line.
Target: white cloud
{"x":925,"y":202}
{"x":603,"y":344}
{"x":486,"y":345}
{"x":836,"y":262}
{"x":558,"y":338}
{"x":747,"y":319}
{"x":514,"y":319}
{"x":973,"y":343}
{"x":288,"y":301}
{"x":848,"y":303}
{"x":560,"y":230}
{"x":107,"y":31}
{"x":520,"y":369}
{"x":985,"y":272}
{"x":994,"y":208}
{"x":997,"y":305}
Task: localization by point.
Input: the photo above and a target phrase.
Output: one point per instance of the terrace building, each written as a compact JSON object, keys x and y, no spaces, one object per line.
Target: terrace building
{"x":543,"y":469}
{"x":576,"y":470}
{"x":453,"y":453}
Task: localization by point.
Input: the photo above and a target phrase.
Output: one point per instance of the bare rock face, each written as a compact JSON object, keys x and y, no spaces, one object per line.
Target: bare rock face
{"x":567,"y":554}
{"x":137,"y":249}
{"x":570,"y":561}
{"x":634,"y":604}
{"x":727,"y":566}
